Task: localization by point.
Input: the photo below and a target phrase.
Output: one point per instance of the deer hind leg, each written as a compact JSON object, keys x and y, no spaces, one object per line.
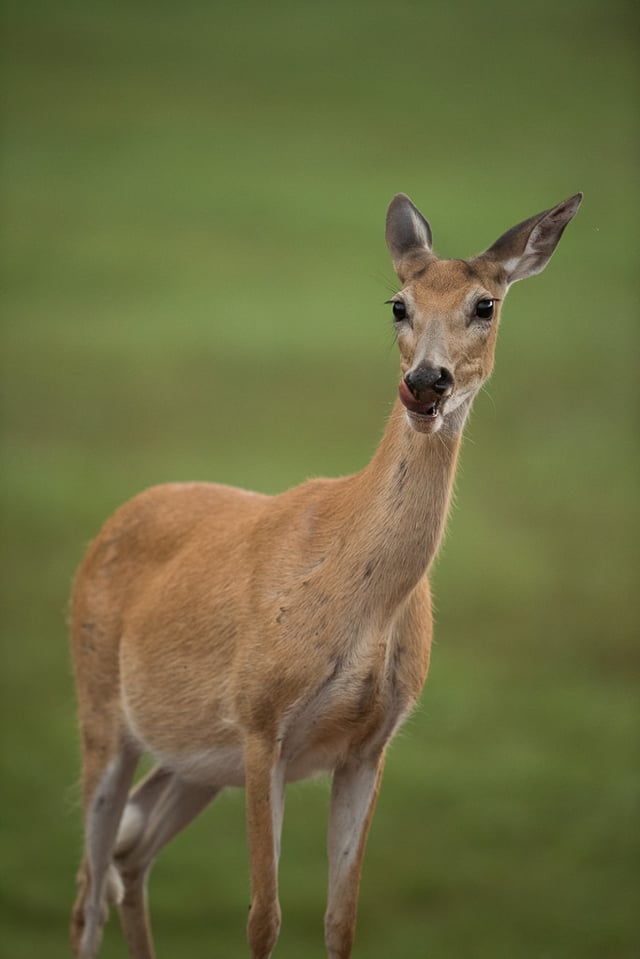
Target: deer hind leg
{"x":353,"y":797}
{"x":106,"y":787}
{"x":157,"y":810}
{"x":265,"y":784}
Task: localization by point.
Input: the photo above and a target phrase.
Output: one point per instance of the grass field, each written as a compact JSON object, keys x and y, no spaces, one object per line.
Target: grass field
{"x":193,"y":272}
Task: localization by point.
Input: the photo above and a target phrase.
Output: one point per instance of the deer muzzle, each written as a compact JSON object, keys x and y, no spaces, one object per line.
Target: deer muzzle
{"x":424,"y":389}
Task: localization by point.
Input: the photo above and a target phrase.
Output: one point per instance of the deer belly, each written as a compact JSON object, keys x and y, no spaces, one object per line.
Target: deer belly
{"x":219,"y":766}
{"x":193,"y":735}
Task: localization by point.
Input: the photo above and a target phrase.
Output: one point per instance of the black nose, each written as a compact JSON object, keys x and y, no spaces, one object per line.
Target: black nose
{"x":429,"y":378}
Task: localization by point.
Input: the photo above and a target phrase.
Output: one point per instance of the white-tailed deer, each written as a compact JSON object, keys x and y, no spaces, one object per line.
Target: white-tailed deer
{"x":250,"y":640}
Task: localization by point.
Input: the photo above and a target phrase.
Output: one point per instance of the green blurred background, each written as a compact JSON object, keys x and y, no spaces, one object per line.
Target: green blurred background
{"x":193,"y":282}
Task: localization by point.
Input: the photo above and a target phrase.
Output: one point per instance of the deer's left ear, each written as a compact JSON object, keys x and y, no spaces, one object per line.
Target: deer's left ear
{"x":407,"y":233}
{"x":527,"y":248}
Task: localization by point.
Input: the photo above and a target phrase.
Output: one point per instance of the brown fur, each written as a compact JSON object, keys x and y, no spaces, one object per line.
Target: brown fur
{"x":250,"y":640}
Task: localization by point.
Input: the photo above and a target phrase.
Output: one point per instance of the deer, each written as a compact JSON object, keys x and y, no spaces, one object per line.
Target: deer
{"x":249,"y":640}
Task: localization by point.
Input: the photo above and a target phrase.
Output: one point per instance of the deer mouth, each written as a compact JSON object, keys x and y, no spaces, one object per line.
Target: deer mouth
{"x":427,"y":409}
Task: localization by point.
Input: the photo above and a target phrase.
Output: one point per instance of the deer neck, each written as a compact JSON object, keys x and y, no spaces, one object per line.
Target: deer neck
{"x":402,"y":501}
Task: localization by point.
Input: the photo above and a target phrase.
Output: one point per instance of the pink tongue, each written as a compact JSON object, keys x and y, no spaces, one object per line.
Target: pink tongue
{"x":411,"y":403}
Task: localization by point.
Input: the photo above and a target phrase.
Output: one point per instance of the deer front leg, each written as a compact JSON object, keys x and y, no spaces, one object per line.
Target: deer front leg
{"x":264,"y":781}
{"x":353,"y":799}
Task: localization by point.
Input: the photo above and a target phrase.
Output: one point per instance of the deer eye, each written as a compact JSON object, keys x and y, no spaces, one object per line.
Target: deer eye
{"x":484,"y":309}
{"x":399,"y":310}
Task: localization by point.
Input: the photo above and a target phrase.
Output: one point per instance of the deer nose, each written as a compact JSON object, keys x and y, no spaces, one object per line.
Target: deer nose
{"x":429,"y":379}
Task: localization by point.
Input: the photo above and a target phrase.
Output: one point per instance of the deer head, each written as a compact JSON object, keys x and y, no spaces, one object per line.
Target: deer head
{"x":446,"y":314}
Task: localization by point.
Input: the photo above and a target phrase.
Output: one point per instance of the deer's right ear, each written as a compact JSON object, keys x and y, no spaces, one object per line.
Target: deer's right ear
{"x":407,"y":233}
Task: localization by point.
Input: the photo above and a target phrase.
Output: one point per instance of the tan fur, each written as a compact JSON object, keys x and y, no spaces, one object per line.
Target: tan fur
{"x":250,"y":640}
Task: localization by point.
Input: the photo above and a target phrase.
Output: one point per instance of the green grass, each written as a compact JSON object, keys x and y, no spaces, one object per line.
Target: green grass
{"x":193,"y":271}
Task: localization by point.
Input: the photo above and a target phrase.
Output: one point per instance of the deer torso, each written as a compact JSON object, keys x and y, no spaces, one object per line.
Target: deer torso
{"x":305,"y":616}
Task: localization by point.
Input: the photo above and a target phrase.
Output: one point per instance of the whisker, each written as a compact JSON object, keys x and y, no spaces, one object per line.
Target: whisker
{"x":485,"y":389}
{"x":390,"y":285}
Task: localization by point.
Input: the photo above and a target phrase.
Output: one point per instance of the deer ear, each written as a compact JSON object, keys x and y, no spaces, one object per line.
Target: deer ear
{"x":407,"y":232}
{"x":527,"y":248}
